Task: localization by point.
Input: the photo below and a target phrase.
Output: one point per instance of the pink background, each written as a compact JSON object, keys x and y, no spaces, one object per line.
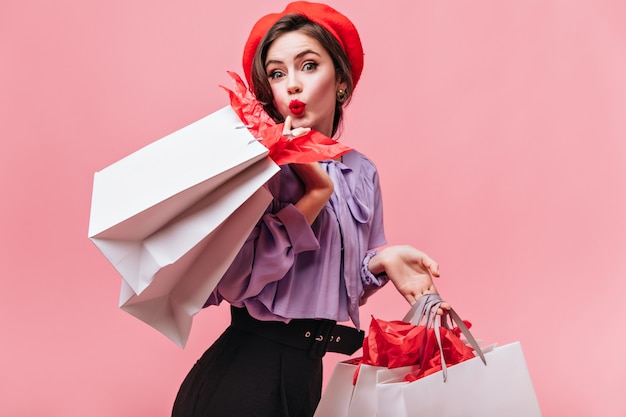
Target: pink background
{"x":498,"y":128}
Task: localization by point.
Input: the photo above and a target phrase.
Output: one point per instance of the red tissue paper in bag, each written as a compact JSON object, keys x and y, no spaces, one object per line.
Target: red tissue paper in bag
{"x":396,"y":343}
{"x":311,"y":147}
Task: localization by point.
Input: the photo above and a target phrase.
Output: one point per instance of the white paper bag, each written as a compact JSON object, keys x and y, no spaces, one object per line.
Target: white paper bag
{"x":502,"y":388}
{"x":342,"y":398}
{"x":335,"y":401}
{"x":172,"y":216}
{"x":389,"y":395}
{"x":178,"y":292}
{"x":364,"y":399}
{"x":141,"y":193}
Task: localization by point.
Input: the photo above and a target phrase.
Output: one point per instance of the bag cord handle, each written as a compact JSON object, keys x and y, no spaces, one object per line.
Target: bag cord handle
{"x":425,"y":311}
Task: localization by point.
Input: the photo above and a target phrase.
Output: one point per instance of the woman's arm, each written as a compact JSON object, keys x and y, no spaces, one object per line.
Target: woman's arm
{"x":318,"y":188}
{"x":270,"y":250}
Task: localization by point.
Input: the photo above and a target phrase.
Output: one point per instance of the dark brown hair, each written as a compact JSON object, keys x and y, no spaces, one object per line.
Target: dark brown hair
{"x":290,"y":23}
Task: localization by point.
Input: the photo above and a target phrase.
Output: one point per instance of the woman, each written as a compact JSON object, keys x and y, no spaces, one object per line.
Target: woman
{"x":312,"y":259}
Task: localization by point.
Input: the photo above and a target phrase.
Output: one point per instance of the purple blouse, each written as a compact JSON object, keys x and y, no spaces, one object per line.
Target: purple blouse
{"x":288,"y":269}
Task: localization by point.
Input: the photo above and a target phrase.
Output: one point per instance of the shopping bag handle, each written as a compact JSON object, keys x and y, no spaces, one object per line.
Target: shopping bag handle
{"x":425,"y":311}
{"x":422,"y":310}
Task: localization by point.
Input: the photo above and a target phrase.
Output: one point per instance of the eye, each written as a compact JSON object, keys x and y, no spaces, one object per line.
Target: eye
{"x":309,"y":66}
{"x":275,"y":74}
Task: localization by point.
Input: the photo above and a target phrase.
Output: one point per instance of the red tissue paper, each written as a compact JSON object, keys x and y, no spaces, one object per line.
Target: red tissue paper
{"x":311,"y":147}
{"x":396,"y":343}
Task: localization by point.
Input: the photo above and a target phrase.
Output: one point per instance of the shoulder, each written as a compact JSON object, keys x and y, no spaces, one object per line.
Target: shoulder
{"x":361,"y":164}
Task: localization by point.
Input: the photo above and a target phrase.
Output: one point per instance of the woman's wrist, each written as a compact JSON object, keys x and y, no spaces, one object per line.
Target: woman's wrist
{"x":376,"y":264}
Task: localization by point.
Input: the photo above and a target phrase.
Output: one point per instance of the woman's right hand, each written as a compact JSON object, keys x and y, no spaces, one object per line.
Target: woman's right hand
{"x":410,"y":270}
{"x":318,"y":187}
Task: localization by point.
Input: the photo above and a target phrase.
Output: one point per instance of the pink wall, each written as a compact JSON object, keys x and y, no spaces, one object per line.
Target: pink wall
{"x":498,"y":128}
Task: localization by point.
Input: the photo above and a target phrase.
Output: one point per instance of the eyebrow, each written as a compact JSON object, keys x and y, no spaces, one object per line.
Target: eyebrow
{"x":299,"y":55}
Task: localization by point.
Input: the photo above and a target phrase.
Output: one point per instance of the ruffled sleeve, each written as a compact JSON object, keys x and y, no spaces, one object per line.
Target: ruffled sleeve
{"x":268,"y":253}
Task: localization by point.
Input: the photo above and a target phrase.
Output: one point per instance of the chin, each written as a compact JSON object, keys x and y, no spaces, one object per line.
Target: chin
{"x":300,"y":122}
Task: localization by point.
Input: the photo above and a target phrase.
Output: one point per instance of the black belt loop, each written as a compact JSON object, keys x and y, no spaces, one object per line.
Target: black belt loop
{"x":315,"y":336}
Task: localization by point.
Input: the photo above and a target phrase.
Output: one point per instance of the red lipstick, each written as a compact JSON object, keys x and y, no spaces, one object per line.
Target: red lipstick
{"x":297,"y":107}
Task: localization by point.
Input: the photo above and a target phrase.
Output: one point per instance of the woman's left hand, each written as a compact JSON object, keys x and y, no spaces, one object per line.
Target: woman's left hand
{"x":410,"y":270}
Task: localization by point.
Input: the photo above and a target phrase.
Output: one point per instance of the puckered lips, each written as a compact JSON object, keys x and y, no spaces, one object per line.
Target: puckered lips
{"x":297,"y":107}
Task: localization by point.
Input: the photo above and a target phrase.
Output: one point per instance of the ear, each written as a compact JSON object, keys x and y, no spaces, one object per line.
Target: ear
{"x":341,"y":84}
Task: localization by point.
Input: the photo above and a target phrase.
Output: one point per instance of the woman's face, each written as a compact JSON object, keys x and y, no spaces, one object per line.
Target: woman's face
{"x":302,"y":77}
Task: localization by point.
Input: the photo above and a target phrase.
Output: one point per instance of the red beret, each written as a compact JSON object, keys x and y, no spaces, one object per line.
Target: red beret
{"x":337,"y":24}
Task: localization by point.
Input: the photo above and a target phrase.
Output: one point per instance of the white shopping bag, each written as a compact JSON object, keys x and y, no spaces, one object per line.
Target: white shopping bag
{"x":343,"y":398}
{"x":364,"y":399}
{"x":377,"y":386}
{"x":180,"y":290}
{"x":389,"y":390}
{"x":172,"y":216}
{"x":501,"y":388}
{"x":335,"y":401}
{"x":389,"y":399}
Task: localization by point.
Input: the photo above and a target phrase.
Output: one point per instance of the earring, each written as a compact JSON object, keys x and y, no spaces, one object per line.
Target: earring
{"x":342,"y":95}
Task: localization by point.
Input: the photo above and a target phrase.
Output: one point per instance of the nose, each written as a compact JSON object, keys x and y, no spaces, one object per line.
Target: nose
{"x":294,"y":86}
{"x":294,"y":90}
